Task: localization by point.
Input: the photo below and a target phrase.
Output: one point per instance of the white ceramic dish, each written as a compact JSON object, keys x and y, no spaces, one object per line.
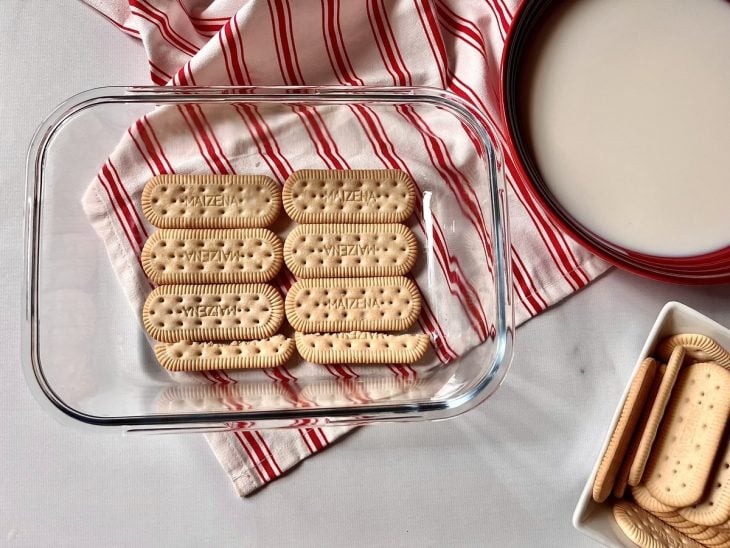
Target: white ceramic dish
{"x":596,"y":520}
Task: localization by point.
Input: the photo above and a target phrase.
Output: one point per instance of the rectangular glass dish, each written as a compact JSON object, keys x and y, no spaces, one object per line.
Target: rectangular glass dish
{"x":86,"y":355}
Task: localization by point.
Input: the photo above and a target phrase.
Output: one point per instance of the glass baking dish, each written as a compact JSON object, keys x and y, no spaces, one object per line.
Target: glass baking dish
{"x":85,"y":353}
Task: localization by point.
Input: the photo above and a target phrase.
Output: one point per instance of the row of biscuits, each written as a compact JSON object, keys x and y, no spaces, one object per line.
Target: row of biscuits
{"x":212,"y":250}
{"x":667,"y":464}
{"x":210,"y":257}
{"x":352,"y":255}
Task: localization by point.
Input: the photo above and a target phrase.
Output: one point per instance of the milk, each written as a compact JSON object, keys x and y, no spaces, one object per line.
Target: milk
{"x":626,"y":104}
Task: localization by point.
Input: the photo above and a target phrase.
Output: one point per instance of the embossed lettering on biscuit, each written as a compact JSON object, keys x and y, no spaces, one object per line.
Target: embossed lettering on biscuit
{"x":211,"y":201}
{"x":353,"y":304}
{"x":202,"y":313}
{"x":349,"y":196}
{"x":350,"y":251}
{"x":198,"y":256}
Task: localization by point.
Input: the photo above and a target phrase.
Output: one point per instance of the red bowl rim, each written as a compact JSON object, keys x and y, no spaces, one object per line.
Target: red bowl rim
{"x":694,"y":270}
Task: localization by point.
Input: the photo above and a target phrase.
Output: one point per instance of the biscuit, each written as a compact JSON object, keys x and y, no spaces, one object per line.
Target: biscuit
{"x":204,"y":356}
{"x":212,"y":312}
{"x":721,"y":541}
{"x":695,"y":531}
{"x":621,"y":435}
{"x":647,"y":530}
{"x":359,"y":347}
{"x":349,"y":196}
{"x":714,"y":508}
{"x":353,"y":304}
{"x":207,"y":256}
{"x":646,"y":500}
{"x":698,"y":347}
{"x":690,"y":529}
{"x":674,"y":519}
{"x":622,"y":478}
{"x":689,"y":435}
{"x":708,"y":536}
{"x":350,"y":251}
{"x":655,"y":415}
{"x":621,"y":483}
{"x":211,"y":201}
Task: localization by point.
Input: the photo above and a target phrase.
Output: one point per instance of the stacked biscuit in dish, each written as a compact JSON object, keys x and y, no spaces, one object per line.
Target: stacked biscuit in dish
{"x":211,"y":258}
{"x":667,"y":463}
{"x":351,"y":255}
{"x":213,"y":254}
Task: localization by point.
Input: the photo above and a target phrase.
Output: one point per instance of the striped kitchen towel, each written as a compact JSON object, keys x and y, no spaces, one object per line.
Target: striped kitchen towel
{"x":450,"y":44}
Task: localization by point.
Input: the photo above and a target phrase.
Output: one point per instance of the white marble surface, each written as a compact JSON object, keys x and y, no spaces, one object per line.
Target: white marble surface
{"x":505,"y":474}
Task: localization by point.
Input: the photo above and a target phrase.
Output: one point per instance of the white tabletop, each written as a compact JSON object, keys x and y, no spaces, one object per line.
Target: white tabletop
{"x":506,"y":474}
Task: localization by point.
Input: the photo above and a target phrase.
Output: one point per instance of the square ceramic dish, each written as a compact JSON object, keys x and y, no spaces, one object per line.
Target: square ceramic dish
{"x":596,"y":519}
{"x":85,"y":352}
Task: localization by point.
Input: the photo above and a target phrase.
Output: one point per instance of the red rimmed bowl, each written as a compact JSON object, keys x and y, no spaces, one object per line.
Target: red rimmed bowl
{"x":687,"y":268}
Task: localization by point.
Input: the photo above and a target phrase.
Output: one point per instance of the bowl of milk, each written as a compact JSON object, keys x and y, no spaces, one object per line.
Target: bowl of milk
{"x":619,"y":117}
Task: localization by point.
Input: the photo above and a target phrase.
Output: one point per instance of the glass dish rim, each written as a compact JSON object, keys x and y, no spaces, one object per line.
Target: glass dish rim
{"x":354,"y":414}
